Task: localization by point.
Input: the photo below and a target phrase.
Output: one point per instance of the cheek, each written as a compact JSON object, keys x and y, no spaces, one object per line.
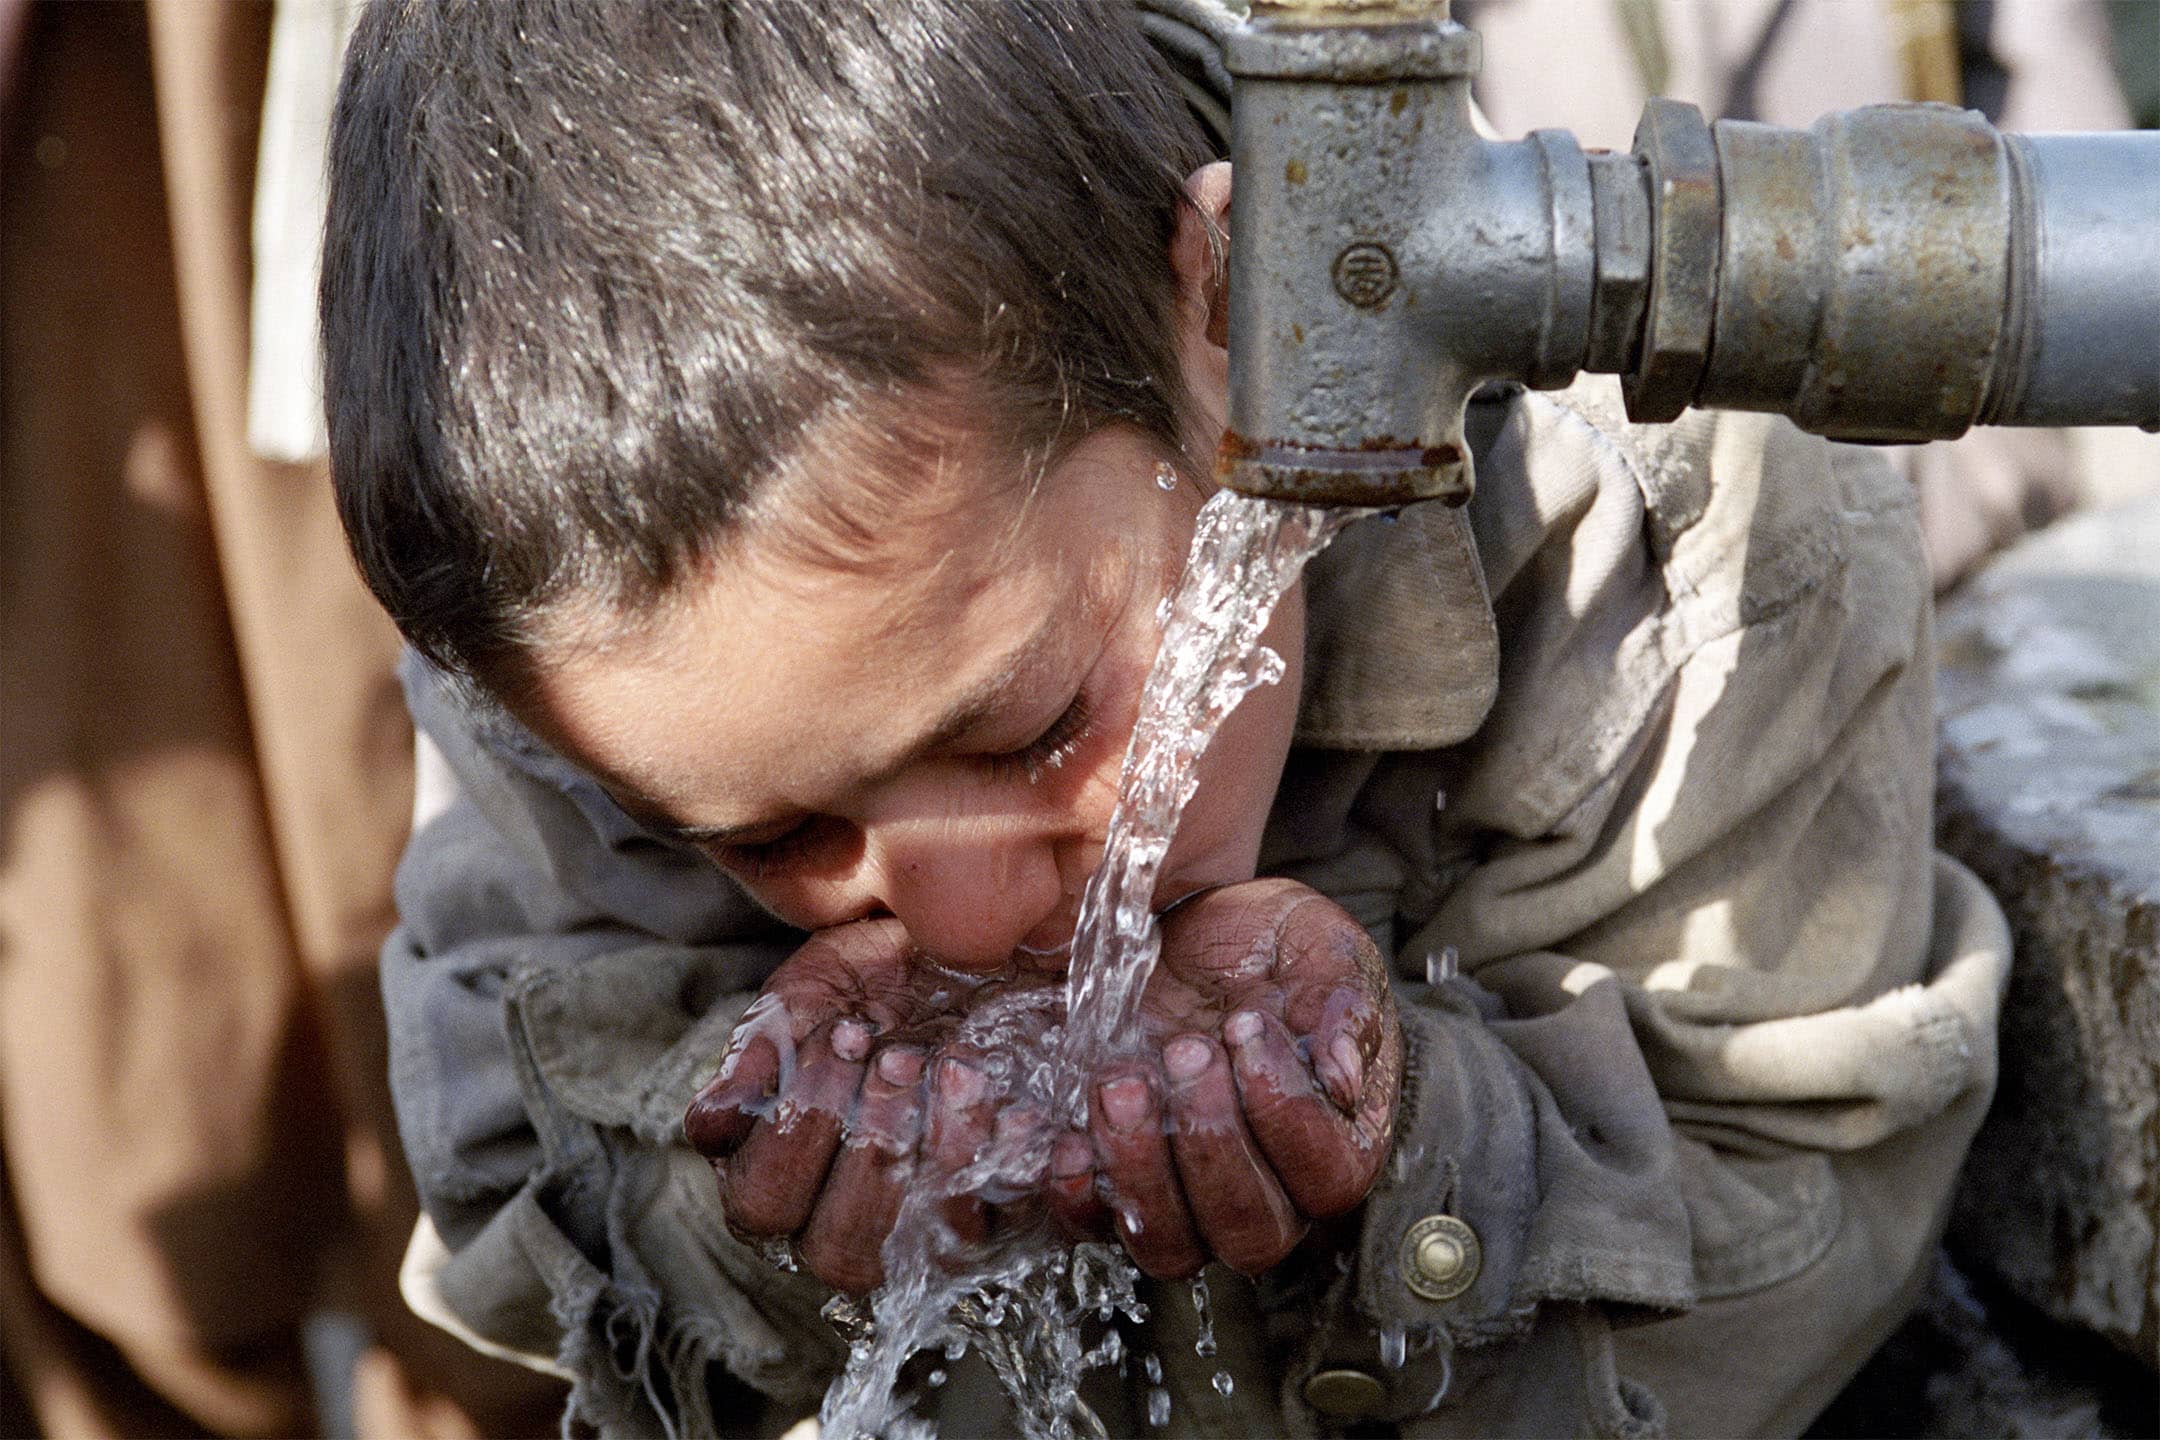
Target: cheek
{"x":1241,"y":769}
{"x":1085,"y":788}
{"x":1243,"y":766}
{"x":805,"y":902}
{"x":816,"y":885}
{"x":1219,"y":837}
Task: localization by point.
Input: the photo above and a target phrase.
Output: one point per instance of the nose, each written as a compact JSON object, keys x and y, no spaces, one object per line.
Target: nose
{"x":969,"y":894}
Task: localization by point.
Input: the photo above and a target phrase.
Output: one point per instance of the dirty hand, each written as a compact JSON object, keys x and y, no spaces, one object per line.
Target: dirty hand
{"x":840,"y":1075}
{"x":1264,"y":1098}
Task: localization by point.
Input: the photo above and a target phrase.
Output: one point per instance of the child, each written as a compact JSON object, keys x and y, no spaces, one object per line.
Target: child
{"x":773,"y":426}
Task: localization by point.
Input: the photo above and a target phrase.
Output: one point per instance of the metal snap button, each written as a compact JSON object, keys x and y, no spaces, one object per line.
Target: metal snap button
{"x":1440,"y":1257}
{"x":1346,"y":1394}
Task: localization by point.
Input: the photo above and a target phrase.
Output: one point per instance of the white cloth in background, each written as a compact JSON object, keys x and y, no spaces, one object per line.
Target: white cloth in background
{"x":285,"y":401}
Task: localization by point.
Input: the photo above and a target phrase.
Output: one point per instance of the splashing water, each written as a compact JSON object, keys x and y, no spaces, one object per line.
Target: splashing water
{"x":1394,"y":1347}
{"x":1245,"y":556}
{"x":1024,"y":1300}
{"x":1158,"y":1407}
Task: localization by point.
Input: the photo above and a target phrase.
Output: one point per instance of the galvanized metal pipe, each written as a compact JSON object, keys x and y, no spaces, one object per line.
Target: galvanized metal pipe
{"x":2084,"y":342}
{"x":1345,"y":385}
{"x":1893,"y":273}
{"x":1903,"y":272}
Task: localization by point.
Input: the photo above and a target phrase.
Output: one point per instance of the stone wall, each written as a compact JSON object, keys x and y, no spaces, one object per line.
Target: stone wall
{"x":2050,"y":790}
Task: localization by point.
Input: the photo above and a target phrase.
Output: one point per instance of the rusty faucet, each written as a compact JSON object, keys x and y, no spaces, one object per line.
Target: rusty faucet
{"x":1894,"y":273}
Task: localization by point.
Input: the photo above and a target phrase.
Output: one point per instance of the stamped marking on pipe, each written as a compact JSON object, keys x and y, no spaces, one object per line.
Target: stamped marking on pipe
{"x":1365,"y":274}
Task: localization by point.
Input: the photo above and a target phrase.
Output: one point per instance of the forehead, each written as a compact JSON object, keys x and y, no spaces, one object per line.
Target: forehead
{"x":785,"y":668}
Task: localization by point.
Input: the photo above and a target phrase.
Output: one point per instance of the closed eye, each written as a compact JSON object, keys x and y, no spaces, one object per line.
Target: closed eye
{"x":754,"y":858}
{"x":1047,"y":751}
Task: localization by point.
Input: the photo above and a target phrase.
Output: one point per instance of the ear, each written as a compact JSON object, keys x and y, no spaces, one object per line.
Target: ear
{"x":1200,"y":250}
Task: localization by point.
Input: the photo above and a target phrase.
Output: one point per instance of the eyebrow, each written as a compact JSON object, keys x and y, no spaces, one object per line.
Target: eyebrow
{"x":971,"y":709}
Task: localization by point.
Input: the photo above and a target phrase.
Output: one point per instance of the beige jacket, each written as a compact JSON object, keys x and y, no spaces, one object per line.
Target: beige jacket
{"x":1673,"y":1145}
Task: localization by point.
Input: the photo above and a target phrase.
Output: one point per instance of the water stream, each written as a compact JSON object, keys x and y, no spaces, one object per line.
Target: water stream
{"x":1040,"y":1312}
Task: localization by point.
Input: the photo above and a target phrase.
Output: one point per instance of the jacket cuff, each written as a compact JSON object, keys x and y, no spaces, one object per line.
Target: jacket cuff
{"x":1503,"y":1192}
{"x":1445,"y":1228}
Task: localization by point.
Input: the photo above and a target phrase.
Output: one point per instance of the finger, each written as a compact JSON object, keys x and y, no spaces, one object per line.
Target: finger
{"x":771,"y":1181}
{"x":1341,"y":1030}
{"x":760,"y":1057}
{"x":1139,"y":1178}
{"x":844,"y":1242}
{"x":1075,"y":1202}
{"x":1324,"y":1159}
{"x":1013,"y":1184}
{"x":1374,"y":1123}
{"x":720,"y":1116}
{"x":1320,"y":941}
{"x":1239,"y":1209}
{"x":962,"y":1113}
{"x":851,"y":1039}
{"x":1341,"y":1046}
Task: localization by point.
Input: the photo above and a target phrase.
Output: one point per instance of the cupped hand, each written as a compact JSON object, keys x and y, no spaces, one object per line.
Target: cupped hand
{"x":1263,"y":1098}
{"x":842,"y":1075}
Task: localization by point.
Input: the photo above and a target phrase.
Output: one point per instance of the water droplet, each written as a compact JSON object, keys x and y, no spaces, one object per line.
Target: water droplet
{"x":1439,"y":801}
{"x":1394,"y":1347}
{"x":1223,"y":1383}
{"x":1153,"y":1366}
{"x":934,"y":1379}
{"x":1112,"y":1350}
{"x":1442,"y":965}
{"x":1204,"y":1341}
{"x":1158,"y":1407}
{"x":1165,"y":475}
{"x":1447,"y":1378}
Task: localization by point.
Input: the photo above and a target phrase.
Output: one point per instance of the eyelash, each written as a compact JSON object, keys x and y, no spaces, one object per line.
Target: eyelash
{"x":1045,"y":752}
{"x":765,"y":854}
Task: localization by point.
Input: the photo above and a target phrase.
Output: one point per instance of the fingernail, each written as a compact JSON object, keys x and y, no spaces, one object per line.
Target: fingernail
{"x":851,"y":1040}
{"x":1242,"y":1028}
{"x":726,"y":1072}
{"x":1071,"y":1157}
{"x":1186,"y":1056}
{"x":962,"y":1084}
{"x":1349,"y":1069}
{"x":700,"y":1115}
{"x":900,"y":1066}
{"x":1124,"y":1102}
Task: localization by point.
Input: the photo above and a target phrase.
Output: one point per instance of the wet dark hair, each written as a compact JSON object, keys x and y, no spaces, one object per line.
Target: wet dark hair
{"x":595,"y":269}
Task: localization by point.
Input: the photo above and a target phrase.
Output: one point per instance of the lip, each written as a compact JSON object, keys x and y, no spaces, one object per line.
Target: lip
{"x":1052,"y":937}
{"x":1044,"y":960}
